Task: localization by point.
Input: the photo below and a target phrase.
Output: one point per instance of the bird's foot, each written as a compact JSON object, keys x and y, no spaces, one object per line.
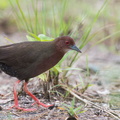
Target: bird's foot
{"x":22,"y":109}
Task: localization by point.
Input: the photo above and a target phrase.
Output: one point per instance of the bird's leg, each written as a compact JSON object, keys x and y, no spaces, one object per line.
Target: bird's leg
{"x":36,"y":99}
{"x":16,"y":105}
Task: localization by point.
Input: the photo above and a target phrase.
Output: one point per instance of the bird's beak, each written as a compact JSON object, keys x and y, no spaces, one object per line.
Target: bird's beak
{"x":74,"y":47}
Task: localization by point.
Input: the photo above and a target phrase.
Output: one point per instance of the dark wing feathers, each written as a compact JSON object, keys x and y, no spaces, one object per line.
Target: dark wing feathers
{"x":17,"y":53}
{"x":25,"y":52}
{"x":21,"y":56}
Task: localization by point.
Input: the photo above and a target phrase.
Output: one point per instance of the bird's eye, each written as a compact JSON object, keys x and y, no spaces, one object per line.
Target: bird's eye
{"x":67,"y":42}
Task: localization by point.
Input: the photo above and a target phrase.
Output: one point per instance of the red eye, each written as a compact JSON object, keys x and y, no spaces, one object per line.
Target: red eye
{"x":67,"y":42}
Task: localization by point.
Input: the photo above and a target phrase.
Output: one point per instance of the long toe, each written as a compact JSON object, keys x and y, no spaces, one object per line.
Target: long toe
{"x":44,"y":105}
{"x":22,"y":109}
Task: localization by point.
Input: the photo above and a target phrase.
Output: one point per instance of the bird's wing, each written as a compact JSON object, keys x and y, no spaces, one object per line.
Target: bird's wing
{"x":25,"y":52}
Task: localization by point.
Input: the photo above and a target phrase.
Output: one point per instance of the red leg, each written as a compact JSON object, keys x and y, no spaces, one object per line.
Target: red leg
{"x":36,"y":99}
{"x":16,"y":105}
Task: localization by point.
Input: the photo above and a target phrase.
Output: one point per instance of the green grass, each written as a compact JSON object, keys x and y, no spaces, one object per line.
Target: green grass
{"x":72,"y":110}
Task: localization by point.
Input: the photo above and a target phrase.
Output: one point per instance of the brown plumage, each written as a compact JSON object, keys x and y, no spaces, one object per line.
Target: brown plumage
{"x":26,"y":60}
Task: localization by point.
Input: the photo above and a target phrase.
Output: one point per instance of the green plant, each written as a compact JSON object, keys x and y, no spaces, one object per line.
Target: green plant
{"x":4,"y":4}
{"x":71,"y":109}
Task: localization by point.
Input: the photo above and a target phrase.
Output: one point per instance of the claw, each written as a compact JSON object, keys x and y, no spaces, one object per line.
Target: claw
{"x":51,"y":107}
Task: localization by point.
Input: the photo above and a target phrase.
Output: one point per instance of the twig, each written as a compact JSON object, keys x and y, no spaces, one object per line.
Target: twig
{"x":6,"y":95}
{"x":86,"y":97}
{"x":91,"y":103}
{"x":8,"y":112}
{"x":15,"y":114}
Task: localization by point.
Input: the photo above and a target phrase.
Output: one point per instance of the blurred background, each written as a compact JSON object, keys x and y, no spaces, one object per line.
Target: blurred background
{"x":95,"y":26}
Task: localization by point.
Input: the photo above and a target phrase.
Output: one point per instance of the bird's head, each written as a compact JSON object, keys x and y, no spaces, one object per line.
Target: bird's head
{"x":66,"y":43}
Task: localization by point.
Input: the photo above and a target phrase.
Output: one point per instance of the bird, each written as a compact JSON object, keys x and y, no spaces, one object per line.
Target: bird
{"x":27,"y":59}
